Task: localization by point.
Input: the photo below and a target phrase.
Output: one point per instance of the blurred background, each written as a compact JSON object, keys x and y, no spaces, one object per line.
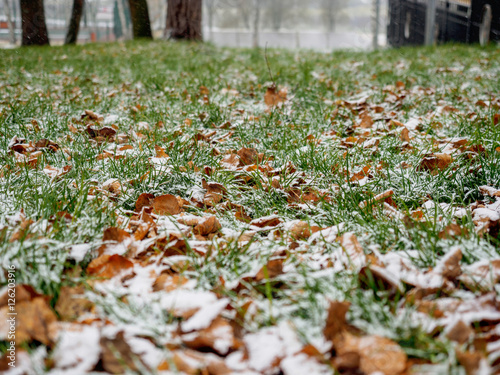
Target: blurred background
{"x":315,"y":24}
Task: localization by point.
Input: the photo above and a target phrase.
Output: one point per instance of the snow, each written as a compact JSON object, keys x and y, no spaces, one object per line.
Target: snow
{"x":204,"y":317}
{"x":77,"y":348}
{"x":301,"y":364}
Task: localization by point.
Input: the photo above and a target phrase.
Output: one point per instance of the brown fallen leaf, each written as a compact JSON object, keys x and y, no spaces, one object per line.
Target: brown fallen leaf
{"x":112,"y":185}
{"x":104,"y":132}
{"x":160,"y":152}
{"x":405,"y":135}
{"x":459,"y":332}
{"x":46,"y":143}
{"x":107,"y":266}
{"x":207,"y":226}
{"x":435,"y":162}
{"x":166,"y":205}
{"x":33,"y":321}
{"x":300,"y":230}
{"x":266,"y":221}
{"x":117,"y":357}
{"x":92,"y":115}
{"x":471,"y":361}
{"x":169,"y":282}
{"x":144,"y":200}
{"x":71,"y":304}
{"x":219,"y":338}
{"x":366,"y":121}
{"x":248,"y":156}
{"x":273,"y":97}
{"x":214,"y":194}
{"x":336,"y":322}
{"x":453,"y":231}
{"x":272,"y":269}
{"x":53,"y":172}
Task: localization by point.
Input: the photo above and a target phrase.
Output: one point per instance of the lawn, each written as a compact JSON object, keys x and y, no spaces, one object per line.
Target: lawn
{"x":182,"y":208}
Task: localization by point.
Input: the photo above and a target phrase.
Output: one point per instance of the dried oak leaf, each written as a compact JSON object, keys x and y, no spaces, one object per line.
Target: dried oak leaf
{"x":107,"y":266}
{"x":166,"y":205}
{"x":248,"y":156}
{"x":144,"y":200}
{"x":71,"y":304}
{"x":207,"y":226}
{"x":214,"y":194}
{"x":435,"y":162}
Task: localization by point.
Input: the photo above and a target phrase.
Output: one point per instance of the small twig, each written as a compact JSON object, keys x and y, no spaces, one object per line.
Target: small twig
{"x":268,"y":65}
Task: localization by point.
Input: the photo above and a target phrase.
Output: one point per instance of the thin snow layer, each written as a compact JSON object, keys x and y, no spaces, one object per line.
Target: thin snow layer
{"x":204,"y":316}
{"x":78,"y":348}
{"x":301,"y":364}
{"x":78,"y":252}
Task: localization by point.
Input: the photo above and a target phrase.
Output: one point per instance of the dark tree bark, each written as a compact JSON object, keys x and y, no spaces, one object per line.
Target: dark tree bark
{"x":33,"y":23}
{"x":184,"y":19}
{"x":140,"y":19}
{"x":74,"y":23}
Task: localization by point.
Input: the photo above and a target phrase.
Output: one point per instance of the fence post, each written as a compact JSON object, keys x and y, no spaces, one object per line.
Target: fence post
{"x":430,"y":23}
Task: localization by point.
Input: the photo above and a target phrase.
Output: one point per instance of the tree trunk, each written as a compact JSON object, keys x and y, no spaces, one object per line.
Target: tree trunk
{"x":140,"y":19}
{"x":33,"y":23}
{"x":12,"y":29}
{"x":74,"y":23}
{"x":184,"y":19}
{"x":256,"y":24}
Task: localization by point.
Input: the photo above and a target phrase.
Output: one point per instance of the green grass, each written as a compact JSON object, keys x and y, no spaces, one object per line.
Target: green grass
{"x":160,"y":82}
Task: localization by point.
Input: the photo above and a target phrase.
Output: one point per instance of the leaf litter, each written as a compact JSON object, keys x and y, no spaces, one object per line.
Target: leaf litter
{"x":266,"y":239}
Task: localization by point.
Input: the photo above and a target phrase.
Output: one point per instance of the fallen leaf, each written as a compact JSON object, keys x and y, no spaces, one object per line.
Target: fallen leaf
{"x":56,"y":172}
{"x":166,"y":205}
{"x":273,"y":97}
{"x":266,"y":221}
{"x":107,"y":266}
{"x":71,"y":304}
{"x":207,"y":226}
{"x":104,"y":132}
{"x":366,"y":121}
{"x":435,"y":162}
{"x":144,"y":200}
{"x":117,"y":356}
{"x":160,"y":152}
{"x":272,"y":269}
{"x":248,"y":156}
{"x":336,"y":322}
{"x":33,"y":320}
{"x":459,"y":332}
{"x":218,"y":338}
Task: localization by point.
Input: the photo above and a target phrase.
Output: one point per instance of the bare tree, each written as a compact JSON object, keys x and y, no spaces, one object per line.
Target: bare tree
{"x":33,"y":23}
{"x":277,"y":10}
{"x":211,"y":8}
{"x":12,"y":29}
{"x":74,"y":23}
{"x":140,"y":19}
{"x":331,"y":13}
{"x":256,"y":23}
{"x":184,"y":19}
{"x":123,"y":18}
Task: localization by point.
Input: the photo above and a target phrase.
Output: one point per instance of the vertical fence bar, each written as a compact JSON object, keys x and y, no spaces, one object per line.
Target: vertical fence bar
{"x":430,"y":23}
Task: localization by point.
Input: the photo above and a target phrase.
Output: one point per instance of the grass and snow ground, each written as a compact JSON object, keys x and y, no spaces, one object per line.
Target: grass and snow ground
{"x":180,"y":208}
